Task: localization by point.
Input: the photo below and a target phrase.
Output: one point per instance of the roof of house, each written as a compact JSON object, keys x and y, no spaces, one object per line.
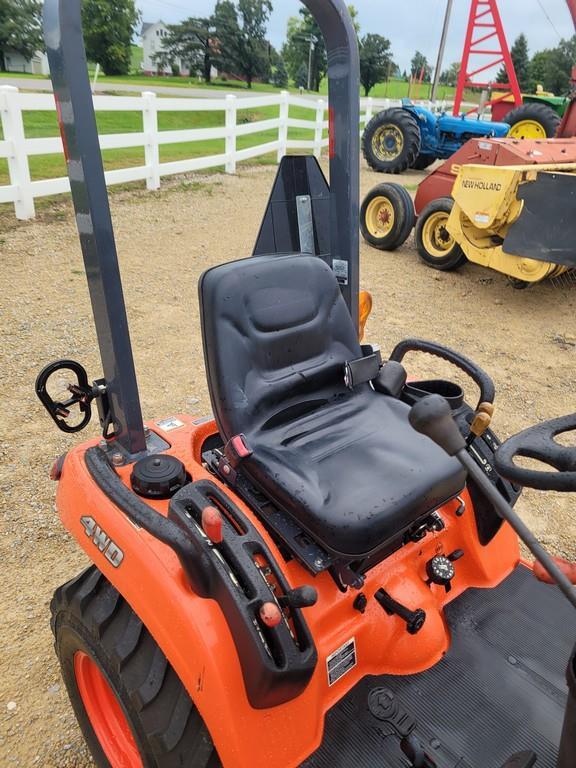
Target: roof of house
{"x":147,"y":24}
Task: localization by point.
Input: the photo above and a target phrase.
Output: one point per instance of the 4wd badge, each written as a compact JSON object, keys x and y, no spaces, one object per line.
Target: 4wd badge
{"x":100,"y":539}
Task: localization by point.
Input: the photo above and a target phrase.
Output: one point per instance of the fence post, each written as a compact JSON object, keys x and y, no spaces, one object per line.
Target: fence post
{"x":18,"y":168}
{"x":231,"y":121}
{"x":151,"y":146}
{"x":319,"y":130}
{"x":369,"y":109}
{"x":283,"y":128}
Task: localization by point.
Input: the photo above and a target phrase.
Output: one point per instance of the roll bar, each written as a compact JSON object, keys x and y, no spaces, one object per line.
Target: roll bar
{"x":68,"y":69}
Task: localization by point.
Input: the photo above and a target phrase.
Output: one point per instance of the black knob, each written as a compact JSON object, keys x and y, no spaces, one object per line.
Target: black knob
{"x":158,"y":476}
{"x":432,"y":416}
{"x":441,"y":571}
{"x":301,"y":597}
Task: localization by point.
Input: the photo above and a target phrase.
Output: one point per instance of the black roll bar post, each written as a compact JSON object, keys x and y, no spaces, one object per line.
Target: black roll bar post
{"x":72,"y":92}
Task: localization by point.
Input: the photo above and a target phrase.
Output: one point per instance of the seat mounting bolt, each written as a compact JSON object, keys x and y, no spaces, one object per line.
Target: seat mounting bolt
{"x":117,"y":459}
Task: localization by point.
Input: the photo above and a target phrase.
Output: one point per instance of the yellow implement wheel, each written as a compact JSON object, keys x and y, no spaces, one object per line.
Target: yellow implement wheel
{"x":434,"y":243}
{"x":380,"y":217}
{"x":387,"y":216}
{"x":435,"y":236}
{"x":388,"y":142}
{"x":527,"y":129}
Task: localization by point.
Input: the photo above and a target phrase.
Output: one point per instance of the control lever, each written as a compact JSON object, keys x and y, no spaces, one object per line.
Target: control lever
{"x":301,"y":597}
{"x":481,"y":421}
{"x":415,"y":620}
{"x":432,"y":416}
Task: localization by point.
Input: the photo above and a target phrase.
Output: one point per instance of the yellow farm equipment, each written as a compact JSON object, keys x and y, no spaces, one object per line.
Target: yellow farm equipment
{"x":505,"y":204}
{"x":515,"y":219}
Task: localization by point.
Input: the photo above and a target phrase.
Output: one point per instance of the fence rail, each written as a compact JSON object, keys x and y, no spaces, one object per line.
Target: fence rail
{"x":16,"y":148}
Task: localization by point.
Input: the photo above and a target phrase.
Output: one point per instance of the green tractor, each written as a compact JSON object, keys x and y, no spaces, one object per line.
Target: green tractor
{"x":538,"y":117}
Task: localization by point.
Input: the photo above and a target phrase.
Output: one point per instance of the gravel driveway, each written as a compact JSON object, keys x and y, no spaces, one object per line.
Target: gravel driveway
{"x":526,"y":339}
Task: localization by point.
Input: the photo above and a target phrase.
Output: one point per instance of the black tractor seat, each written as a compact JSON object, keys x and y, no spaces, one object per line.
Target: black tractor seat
{"x":345,"y":464}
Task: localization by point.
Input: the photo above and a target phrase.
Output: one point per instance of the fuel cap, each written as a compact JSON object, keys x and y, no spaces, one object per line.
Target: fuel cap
{"x":158,"y":477}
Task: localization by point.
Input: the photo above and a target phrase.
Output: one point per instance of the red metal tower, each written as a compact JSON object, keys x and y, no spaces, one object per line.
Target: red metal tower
{"x":485,"y":49}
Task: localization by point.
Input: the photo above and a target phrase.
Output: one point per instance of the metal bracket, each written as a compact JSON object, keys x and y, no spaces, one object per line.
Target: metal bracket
{"x":305,"y":224}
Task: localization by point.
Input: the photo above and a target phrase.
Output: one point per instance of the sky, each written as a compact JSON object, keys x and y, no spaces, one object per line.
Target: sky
{"x":409,"y":25}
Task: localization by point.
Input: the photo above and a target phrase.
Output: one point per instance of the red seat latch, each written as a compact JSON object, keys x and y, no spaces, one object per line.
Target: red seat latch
{"x":236,"y":450}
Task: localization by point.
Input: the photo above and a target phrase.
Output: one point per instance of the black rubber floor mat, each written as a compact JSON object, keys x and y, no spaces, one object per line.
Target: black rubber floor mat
{"x":500,"y":689}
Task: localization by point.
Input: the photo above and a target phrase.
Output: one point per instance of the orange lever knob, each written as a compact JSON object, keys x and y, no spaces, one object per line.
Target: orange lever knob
{"x":270,"y":614}
{"x":212,"y":524}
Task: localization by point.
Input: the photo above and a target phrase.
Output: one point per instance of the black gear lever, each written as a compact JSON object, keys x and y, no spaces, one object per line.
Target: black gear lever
{"x":432,"y":416}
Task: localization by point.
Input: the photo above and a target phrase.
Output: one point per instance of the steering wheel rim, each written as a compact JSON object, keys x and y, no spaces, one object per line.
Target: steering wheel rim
{"x":539,"y":443}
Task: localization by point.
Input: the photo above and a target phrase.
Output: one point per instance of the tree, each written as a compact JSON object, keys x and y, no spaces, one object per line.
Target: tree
{"x":521,"y":61}
{"x":375,"y":61}
{"x":20,"y":28}
{"x":301,"y":79}
{"x":109,"y":26}
{"x":551,"y":68}
{"x":241,"y":38}
{"x":191,"y":42}
{"x":303,"y":31}
{"x":419,"y":67}
{"x":279,"y":77}
{"x":450,"y":75}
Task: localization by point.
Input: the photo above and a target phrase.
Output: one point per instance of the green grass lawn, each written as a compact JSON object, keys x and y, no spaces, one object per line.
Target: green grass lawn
{"x":394,"y":89}
{"x":40,"y":124}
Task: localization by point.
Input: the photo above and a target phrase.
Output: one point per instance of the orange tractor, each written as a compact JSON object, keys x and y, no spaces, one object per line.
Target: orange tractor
{"x":325,"y":571}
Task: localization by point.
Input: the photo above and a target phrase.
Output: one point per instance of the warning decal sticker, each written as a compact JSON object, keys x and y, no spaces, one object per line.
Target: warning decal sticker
{"x":341,"y":661}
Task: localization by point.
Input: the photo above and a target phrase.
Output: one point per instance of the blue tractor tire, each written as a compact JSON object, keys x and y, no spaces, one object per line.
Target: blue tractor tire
{"x":392,"y":141}
{"x":423,"y":161}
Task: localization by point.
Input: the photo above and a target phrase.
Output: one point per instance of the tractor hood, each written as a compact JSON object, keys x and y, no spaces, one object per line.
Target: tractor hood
{"x":473,"y":127}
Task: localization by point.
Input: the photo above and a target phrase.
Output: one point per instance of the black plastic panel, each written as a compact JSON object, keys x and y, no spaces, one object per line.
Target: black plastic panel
{"x":277,"y":663}
{"x":546,"y":228}
{"x":296,"y":176}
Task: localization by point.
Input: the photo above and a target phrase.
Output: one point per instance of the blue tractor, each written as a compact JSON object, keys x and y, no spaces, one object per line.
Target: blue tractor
{"x":411,"y":136}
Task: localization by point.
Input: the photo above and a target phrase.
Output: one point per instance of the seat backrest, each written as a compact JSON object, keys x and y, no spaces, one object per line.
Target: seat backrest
{"x":276,"y":334}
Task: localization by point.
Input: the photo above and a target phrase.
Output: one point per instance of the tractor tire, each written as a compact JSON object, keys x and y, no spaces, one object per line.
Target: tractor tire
{"x":517,"y":284}
{"x":131,"y":706}
{"x":533,"y":121}
{"x":435,"y":246}
{"x":391,"y":141}
{"x":423,"y":161}
{"x":387,"y":217}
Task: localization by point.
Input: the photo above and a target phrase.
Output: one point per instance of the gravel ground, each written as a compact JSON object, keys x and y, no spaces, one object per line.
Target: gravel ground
{"x":526,"y":339}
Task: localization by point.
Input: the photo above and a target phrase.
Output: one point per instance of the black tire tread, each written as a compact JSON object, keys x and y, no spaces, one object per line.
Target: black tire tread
{"x":545,"y":115}
{"x":412,"y":140}
{"x":423,"y":161}
{"x":174,"y":730}
{"x":410,"y":221}
{"x":456,"y":257}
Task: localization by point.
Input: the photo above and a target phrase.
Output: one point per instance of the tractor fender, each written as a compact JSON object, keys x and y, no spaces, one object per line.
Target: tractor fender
{"x":428,"y":123}
{"x":191,"y":631}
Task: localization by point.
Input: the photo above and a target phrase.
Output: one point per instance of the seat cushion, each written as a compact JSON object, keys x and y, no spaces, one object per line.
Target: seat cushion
{"x":346,"y":465}
{"x":352,"y":471}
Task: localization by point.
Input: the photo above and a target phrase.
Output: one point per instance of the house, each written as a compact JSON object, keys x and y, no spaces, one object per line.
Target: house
{"x":16,"y":62}
{"x":153,"y":36}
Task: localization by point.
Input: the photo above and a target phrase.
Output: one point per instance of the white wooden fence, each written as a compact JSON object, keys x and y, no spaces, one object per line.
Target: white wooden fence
{"x":16,"y":148}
